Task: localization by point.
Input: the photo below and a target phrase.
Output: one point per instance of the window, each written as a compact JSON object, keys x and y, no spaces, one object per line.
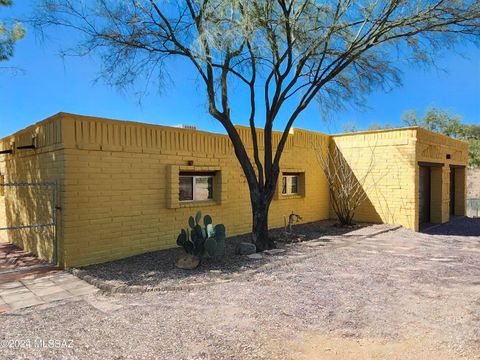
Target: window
{"x":290,"y":184}
{"x":196,"y":186}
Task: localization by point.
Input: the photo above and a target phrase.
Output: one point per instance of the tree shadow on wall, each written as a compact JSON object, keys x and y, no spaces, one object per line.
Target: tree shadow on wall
{"x":354,"y":179}
{"x":26,"y":205}
{"x":387,"y":185}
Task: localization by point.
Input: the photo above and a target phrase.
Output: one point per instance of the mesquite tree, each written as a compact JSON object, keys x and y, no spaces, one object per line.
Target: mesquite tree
{"x":8,"y":37}
{"x":284,"y":53}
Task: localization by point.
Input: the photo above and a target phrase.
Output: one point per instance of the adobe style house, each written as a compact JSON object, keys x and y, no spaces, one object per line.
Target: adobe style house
{"x":114,"y":189}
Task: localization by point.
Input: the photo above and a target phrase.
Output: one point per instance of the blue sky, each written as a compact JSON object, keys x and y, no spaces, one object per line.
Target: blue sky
{"x":50,"y":84}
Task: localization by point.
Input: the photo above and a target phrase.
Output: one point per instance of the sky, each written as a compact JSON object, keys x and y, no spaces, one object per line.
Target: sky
{"x":48,"y":84}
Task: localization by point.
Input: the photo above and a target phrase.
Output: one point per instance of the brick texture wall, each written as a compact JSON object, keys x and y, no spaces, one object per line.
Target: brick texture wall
{"x":447,"y":152}
{"x":118,"y":182}
{"x":390,"y":186}
{"x":28,"y":205}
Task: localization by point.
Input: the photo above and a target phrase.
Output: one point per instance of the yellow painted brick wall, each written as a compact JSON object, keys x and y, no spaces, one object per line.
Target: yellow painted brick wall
{"x":442,"y":150}
{"x":390,"y":187}
{"x":118,"y":178}
{"x":27,"y":205}
{"x":118,"y":181}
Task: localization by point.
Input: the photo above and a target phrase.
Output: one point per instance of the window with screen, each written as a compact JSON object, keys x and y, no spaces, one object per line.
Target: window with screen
{"x":196,"y":186}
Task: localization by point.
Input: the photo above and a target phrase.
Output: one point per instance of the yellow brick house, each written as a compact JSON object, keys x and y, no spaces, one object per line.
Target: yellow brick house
{"x":114,"y":189}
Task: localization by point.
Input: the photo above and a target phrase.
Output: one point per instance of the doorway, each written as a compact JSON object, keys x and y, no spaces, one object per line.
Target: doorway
{"x":457,"y":190}
{"x":424,"y":194}
{"x":452,"y":192}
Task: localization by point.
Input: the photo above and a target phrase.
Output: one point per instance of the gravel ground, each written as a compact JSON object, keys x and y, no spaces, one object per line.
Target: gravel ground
{"x":398,"y":295}
{"x":157,"y":269}
{"x":463,"y":226}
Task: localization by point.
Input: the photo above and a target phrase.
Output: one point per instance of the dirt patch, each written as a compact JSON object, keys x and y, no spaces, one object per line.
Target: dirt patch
{"x":321,"y":347}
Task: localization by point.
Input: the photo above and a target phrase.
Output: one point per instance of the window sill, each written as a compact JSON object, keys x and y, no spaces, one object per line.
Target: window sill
{"x":192,"y":204}
{"x":288,"y":197}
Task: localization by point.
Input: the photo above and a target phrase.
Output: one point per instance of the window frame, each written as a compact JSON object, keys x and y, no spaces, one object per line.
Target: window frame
{"x":194,"y":176}
{"x":288,"y":184}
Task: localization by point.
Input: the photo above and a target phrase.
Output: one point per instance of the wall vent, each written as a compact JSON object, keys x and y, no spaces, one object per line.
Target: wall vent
{"x":185,"y":126}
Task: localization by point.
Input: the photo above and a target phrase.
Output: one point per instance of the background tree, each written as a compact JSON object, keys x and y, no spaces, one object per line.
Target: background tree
{"x":379,"y":126}
{"x":349,"y":127}
{"x":443,"y":122}
{"x":8,"y":36}
{"x":284,"y":53}
{"x":352,"y":126}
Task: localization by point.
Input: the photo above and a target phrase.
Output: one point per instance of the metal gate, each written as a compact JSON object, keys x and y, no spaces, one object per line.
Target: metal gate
{"x":30,"y":206}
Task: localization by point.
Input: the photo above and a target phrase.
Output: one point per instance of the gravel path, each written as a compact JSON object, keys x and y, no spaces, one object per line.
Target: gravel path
{"x":398,"y":295}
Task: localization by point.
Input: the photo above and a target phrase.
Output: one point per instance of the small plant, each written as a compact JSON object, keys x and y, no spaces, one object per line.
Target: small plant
{"x":202,"y":242}
{"x":292,"y":219}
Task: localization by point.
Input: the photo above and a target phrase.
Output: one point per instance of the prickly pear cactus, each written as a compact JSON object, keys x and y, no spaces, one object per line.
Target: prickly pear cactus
{"x":202,"y":241}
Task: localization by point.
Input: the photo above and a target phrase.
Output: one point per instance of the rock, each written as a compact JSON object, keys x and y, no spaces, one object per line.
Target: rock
{"x":246,"y":248}
{"x":314,"y":243}
{"x":255,"y":256}
{"x":187,"y":262}
{"x":274,"y":251}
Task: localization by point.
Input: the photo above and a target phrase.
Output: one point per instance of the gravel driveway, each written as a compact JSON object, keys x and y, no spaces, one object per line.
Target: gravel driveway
{"x":398,"y":295}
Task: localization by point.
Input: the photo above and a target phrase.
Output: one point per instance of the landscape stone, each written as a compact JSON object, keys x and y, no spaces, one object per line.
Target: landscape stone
{"x":274,"y":251}
{"x":245,"y":248}
{"x":187,"y":262}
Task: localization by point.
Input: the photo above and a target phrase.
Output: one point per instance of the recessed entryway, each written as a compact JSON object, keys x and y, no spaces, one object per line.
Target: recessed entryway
{"x":424,"y":194}
{"x":457,"y":191}
{"x":452,"y":192}
{"x":430,"y":190}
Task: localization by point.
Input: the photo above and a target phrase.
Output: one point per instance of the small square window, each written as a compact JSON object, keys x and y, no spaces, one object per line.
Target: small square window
{"x":196,"y":187}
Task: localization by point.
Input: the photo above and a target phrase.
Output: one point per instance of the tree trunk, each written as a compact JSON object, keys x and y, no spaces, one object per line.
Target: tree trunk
{"x":260,"y":208}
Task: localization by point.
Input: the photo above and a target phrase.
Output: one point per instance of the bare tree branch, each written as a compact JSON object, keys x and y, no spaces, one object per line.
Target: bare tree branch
{"x":284,"y":53}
